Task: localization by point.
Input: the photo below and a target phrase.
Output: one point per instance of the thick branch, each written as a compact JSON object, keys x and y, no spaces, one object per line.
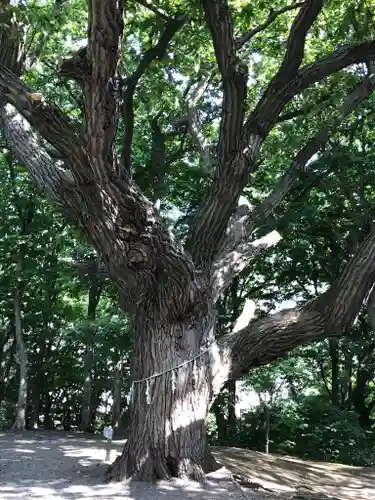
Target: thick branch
{"x":141,"y":255}
{"x":232,"y":263}
{"x":292,"y":176}
{"x":295,"y":47}
{"x":234,"y":78}
{"x":212,"y":218}
{"x":237,"y":253}
{"x":235,"y":162}
{"x":101,"y":87}
{"x":51,"y":123}
{"x":330,"y":314}
{"x":266,"y":113}
{"x":29,"y":151}
{"x":193,"y":97}
{"x":272,"y":16}
{"x":157,"y":52}
{"x":153,"y":9}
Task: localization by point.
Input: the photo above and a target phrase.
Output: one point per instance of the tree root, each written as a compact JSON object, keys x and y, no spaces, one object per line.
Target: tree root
{"x":127,"y":468}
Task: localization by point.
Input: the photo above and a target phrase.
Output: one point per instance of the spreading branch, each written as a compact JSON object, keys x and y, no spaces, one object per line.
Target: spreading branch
{"x":270,"y":338}
{"x":210,"y":221}
{"x":52,"y":124}
{"x":291,"y":177}
{"x":272,"y":16}
{"x":127,"y":111}
{"x":237,"y":253}
{"x":267,"y":111}
{"x":141,"y":255}
{"x":232,"y":263}
{"x":154,"y":9}
{"x":30,"y":151}
{"x":100,"y":88}
{"x":194,"y":95}
{"x":236,"y":158}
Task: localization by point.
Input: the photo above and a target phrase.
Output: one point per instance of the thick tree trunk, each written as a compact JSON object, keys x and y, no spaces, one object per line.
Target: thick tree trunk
{"x":167,"y":434}
{"x":20,"y":420}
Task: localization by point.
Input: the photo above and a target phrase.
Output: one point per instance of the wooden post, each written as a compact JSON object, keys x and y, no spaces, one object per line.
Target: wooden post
{"x":108,"y":433}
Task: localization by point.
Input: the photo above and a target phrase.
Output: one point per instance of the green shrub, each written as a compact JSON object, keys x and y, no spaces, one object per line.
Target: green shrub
{"x":311,"y":428}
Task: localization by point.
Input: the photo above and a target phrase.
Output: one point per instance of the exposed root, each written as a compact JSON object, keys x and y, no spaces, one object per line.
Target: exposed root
{"x":126,"y":468}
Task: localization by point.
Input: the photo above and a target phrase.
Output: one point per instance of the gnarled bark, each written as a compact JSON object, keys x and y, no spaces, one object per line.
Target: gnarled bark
{"x":172,"y":368}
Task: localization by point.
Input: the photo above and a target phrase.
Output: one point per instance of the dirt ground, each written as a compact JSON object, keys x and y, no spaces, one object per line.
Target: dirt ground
{"x":282,"y":473}
{"x":59,"y":465}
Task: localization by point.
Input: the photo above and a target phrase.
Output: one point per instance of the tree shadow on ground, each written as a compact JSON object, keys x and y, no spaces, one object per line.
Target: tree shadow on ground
{"x":283,"y":473}
{"x":61,"y":465}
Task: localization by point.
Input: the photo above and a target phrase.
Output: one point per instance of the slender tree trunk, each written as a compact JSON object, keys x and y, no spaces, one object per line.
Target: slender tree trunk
{"x":35,"y":401}
{"x":221,"y":421}
{"x":86,"y":396}
{"x":9,"y":350}
{"x":86,"y":414}
{"x":48,"y":421}
{"x":267,"y":427}
{"x":359,"y":398}
{"x":167,"y":434}
{"x":333,"y":349}
{"x":20,"y":420}
{"x":232,"y":420}
{"x":116,"y":405}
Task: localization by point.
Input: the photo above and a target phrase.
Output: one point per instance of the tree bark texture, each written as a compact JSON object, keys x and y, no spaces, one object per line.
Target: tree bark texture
{"x":167,"y":435}
{"x":170,"y":290}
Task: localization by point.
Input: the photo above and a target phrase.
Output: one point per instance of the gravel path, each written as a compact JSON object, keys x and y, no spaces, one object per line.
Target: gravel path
{"x":66,"y":466}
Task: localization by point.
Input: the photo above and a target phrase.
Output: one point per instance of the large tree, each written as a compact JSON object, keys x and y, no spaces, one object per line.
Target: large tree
{"x":169,"y":289}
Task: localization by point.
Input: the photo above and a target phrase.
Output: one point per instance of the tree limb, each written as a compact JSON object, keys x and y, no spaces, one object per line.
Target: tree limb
{"x":194,"y":95}
{"x":269,"y":338}
{"x":291,"y":177}
{"x":50,"y":122}
{"x":101,"y":86}
{"x":234,"y":78}
{"x":237,"y":158}
{"x":211,"y":219}
{"x":272,"y":16}
{"x":236,"y":252}
{"x":127,"y":110}
{"x":267,"y":111}
{"x":230,"y":264}
{"x":141,"y":255}
{"x":154,"y":9}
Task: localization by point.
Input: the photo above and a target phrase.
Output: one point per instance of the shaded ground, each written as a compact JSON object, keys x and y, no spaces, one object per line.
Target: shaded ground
{"x":68,"y":466}
{"x":282,"y":473}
